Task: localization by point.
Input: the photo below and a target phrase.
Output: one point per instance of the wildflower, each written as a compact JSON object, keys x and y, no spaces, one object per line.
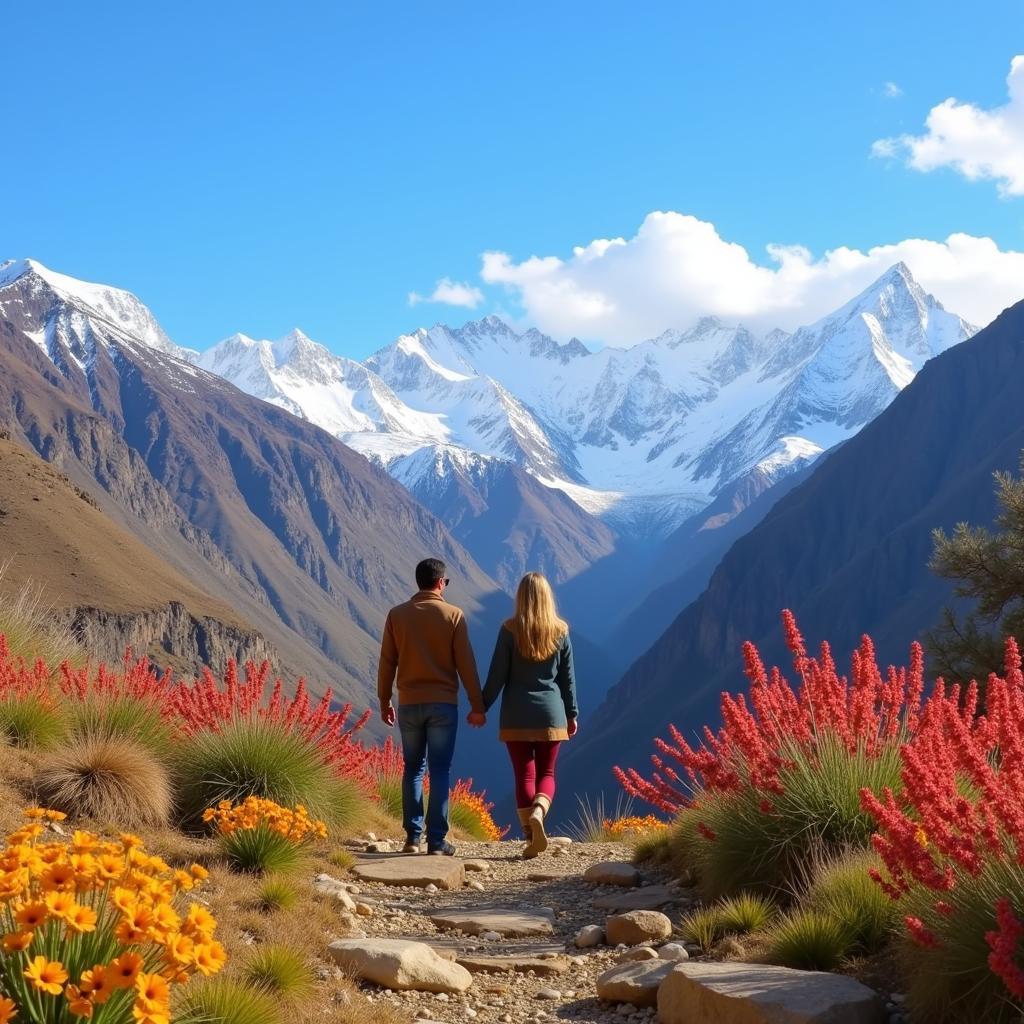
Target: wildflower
{"x":96,"y":984}
{"x":125,"y":969}
{"x":8,"y":1011}
{"x":79,"y":1004}
{"x":16,"y":942}
{"x":46,"y":975}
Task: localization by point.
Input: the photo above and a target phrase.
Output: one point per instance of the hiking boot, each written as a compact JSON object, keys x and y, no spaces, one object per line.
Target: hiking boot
{"x":413,"y":846}
{"x":538,"y":836}
{"x":444,"y":849}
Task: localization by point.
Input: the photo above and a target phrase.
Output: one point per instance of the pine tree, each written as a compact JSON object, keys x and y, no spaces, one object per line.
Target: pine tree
{"x":988,"y":566}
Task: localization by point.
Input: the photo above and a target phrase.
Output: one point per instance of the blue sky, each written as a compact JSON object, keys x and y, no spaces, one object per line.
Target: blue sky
{"x":241,"y":166}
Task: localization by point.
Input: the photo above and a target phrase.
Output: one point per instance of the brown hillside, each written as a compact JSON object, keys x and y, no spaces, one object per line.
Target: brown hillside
{"x":96,"y":576}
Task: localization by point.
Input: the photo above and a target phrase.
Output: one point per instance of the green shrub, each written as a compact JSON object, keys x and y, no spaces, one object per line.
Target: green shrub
{"x":389,"y":794}
{"x":843,"y":889}
{"x":808,"y":940}
{"x":766,"y":850}
{"x":655,"y":848}
{"x":952,"y":981}
{"x":343,"y":859}
{"x":747,"y":912}
{"x":228,"y":1002}
{"x":30,"y":722}
{"x":278,"y":971}
{"x":261,"y":851}
{"x":125,"y":718}
{"x":258,"y":758}
{"x":276,"y":894}
{"x":702,"y":926}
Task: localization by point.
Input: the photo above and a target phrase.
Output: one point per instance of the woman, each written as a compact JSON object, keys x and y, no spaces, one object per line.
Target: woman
{"x":532,"y":670}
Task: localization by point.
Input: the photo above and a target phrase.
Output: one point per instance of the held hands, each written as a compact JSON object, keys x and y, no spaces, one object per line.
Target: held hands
{"x":573,"y":727}
{"x":477,"y":719}
{"x":387,"y":714}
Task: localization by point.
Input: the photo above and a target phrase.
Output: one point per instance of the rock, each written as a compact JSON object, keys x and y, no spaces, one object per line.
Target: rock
{"x":559,"y":841}
{"x":635,"y":984}
{"x":673,"y":951}
{"x":639,"y":954}
{"x":399,"y":964}
{"x":548,"y":876}
{"x":637,"y":926}
{"x":379,"y":847}
{"x":548,"y":993}
{"x":611,"y":872}
{"x":588,"y":936}
{"x":543,"y":968}
{"x":326,"y":885}
{"x":507,"y":923}
{"x":559,"y":851}
{"x":739,"y":993}
{"x":490,"y":936}
{"x":420,"y":872}
{"x":650,"y":897}
{"x":364,"y":909}
{"x":477,"y":865}
{"x":475,"y":885}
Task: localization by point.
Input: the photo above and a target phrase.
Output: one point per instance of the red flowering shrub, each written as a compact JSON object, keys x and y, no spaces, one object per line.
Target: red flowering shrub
{"x":952,"y":841}
{"x":784,"y":773}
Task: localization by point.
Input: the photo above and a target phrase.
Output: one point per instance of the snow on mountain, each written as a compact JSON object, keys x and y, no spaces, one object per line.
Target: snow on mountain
{"x":640,"y":437}
{"x":115,"y":307}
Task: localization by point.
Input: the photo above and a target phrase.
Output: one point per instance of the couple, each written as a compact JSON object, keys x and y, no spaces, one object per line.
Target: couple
{"x":425,"y":650}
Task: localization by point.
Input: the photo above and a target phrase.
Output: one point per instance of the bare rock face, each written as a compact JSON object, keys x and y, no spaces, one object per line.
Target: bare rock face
{"x":636,"y":926}
{"x":650,"y":897}
{"x":634,"y":983}
{"x":399,"y":964}
{"x":739,"y":993}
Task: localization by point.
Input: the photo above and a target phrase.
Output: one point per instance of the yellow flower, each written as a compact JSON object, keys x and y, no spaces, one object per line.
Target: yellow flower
{"x":55,"y":816}
{"x":60,"y":904}
{"x":46,"y":975}
{"x":209,"y":957}
{"x":199,"y":922}
{"x":152,"y":991}
{"x":58,"y":876}
{"x":199,"y":872}
{"x":34,"y":813}
{"x":81,"y":919}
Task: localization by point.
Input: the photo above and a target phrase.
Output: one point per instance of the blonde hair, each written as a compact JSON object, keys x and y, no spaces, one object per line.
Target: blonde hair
{"x":535,"y":624}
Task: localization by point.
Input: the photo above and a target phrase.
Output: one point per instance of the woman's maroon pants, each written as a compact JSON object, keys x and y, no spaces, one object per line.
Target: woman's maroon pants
{"x":534,"y":765}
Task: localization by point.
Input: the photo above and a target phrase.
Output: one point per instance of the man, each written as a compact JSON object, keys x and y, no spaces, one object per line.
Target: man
{"x":426,"y":647}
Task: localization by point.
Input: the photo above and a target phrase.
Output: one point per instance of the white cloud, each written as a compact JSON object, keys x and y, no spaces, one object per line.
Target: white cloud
{"x":677,"y":268}
{"x":451,"y":293}
{"x":979,"y":144}
{"x":891,"y":90}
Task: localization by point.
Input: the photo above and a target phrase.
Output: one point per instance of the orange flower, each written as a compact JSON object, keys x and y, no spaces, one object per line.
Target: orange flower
{"x":82,"y":919}
{"x":78,"y":1004}
{"x":46,"y":975}
{"x":153,"y":991}
{"x":125,"y":969}
{"x":16,"y":942}
{"x":8,"y":1011}
{"x":96,"y":984}
{"x":31,"y":915}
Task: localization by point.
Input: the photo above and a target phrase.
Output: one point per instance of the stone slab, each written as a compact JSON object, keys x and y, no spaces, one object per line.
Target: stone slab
{"x":444,"y":872}
{"x":613,"y":872}
{"x":550,"y":876}
{"x":507,"y":923}
{"x":740,"y":993}
{"x":515,"y":964}
{"x":650,"y":897}
{"x":634,"y":983}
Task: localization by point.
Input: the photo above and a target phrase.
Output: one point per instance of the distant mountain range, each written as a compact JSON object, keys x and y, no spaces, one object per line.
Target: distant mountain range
{"x":847,"y":550}
{"x":306,"y":542}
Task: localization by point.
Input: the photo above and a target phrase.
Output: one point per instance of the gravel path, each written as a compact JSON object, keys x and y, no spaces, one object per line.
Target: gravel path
{"x":402,"y":912}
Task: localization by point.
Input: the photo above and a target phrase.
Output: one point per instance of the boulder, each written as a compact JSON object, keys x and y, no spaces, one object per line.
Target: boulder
{"x":399,"y":964}
{"x":613,"y":872}
{"x":505,"y":923}
{"x":674,"y":951}
{"x":634,"y":983}
{"x":740,"y":993}
{"x":640,"y":953}
{"x":335,"y":889}
{"x":636,"y":926}
{"x":420,"y":872}
{"x":588,"y":936}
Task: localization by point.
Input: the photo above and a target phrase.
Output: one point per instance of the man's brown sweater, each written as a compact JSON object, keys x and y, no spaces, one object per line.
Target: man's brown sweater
{"x":426,"y":644}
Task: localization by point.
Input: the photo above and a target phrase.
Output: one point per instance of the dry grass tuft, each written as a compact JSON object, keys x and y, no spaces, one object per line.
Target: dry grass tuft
{"x":108,"y":780}
{"x":27,"y":620}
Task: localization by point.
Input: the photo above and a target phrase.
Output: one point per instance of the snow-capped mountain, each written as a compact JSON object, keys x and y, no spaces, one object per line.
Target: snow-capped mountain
{"x":640,"y":437}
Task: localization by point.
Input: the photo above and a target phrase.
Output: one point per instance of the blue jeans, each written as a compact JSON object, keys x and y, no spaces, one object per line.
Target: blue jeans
{"x":428,"y":739}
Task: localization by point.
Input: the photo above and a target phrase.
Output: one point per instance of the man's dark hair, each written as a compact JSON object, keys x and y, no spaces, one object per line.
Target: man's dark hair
{"x":428,"y":572}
